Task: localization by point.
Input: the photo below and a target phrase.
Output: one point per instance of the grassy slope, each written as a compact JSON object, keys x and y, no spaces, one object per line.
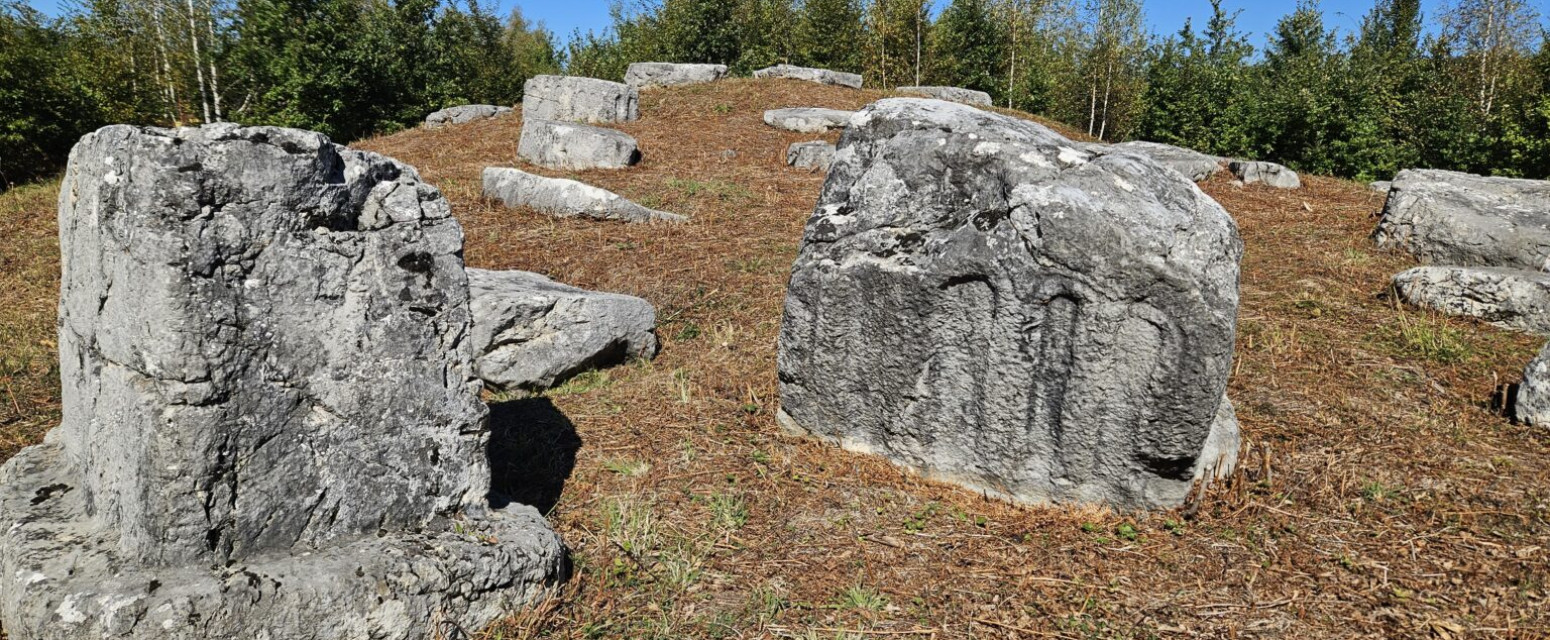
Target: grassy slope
{"x":1377,"y":495}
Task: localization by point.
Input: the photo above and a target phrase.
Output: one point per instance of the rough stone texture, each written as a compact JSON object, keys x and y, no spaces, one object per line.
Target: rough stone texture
{"x":820,"y":76}
{"x":565,"y":198}
{"x":1533,"y":401}
{"x":980,"y":301}
{"x":1445,"y":217}
{"x":670,"y":74}
{"x":815,"y":154}
{"x":1509,"y":298}
{"x":577,"y":99}
{"x":807,"y":119}
{"x":533,"y":333}
{"x":465,"y":113}
{"x":1269,"y":174}
{"x":954,"y":94}
{"x":1191,"y":164}
{"x":569,"y":145}
{"x":1381,"y":186}
{"x":270,"y":416}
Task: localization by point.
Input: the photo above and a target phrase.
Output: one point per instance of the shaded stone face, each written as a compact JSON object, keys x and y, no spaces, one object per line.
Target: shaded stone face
{"x":807,"y":119}
{"x":1508,"y":298}
{"x":464,"y":113}
{"x":577,"y":99}
{"x":565,"y":198}
{"x":1533,"y":401}
{"x":569,"y":145}
{"x":261,"y":339}
{"x":1266,"y":173}
{"x":672,"y":74}
{"x":955,"y":94}
{"x":811,"y":74}
{"x":981,"y":301}
{"x":815,"y":154}
{"x":1446,"y":217}
{"x":1189,"y":163}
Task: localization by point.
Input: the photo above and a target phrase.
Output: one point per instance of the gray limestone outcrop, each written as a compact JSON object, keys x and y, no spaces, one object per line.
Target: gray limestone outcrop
{"x":464,"y":113}
{"x":1191,"y":164}
{"x":578,"y":99}
{"x":1381,"y":186}
{"x":575,"y":146}
{"x":1533,"y":400}
{"x":1509,"y":298}
{"x":980,"y":301}
{"x":271,"y":423}
{"x":1446,"y":217}
{"x":1269,"y":174}
{"x":672,"y":74}
{"x":814,"y":154}
{"x":532,"y":333}
{"x":565,"y":198}
{"x":954,"y":94}
{"x":807,"y":119}
{"x":810,"y":74}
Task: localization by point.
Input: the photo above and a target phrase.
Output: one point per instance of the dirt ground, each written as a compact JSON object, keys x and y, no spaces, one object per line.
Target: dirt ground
{"x":1379,"y":493}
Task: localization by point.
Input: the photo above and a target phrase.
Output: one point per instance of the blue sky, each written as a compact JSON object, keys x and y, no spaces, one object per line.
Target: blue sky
{"x":1165,"y":16}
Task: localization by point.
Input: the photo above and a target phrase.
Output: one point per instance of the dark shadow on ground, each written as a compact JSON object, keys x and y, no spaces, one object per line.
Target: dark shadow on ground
{"x":532,"y":452}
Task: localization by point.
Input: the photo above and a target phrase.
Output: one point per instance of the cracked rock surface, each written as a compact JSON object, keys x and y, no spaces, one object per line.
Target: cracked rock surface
{"x":1533,"y":402}
{"x":1446,"y":217}
{"x":981,"y":301}
{"x":533,"y":333}
{"x":1191,"y":164}
{"x":1508,"y":298}
{"x":955,"y":94}
{"x":464,"y":113}
{"x":810,"y":74}
{"x":814,"y":154}
{"x":574,"y":146}
{"x":672,"y":74}
{"x":565,"y":198}
{"x":1269,"y":174}
{"x":271,"y":420}
{"x":578,"y":99}
{"x":807,"y":119}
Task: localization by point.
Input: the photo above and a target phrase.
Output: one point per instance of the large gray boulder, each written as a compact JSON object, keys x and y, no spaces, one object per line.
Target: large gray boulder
{"x":807,"y":119}
{"x":1533,"y":400}
{"x":1380,"y":186}
{"x":810,"y":74}
{"x":672,"y":74}
{"x":814,"y":154}
{"x":1269,"y":174}
{"x":1508,"y":298}
{"x":954,"y":94}
{"x":532,"y":333}
{"x":577,"y":99}
{"x":464,"y":113}
{"x":1446,"y":217}
{"x":574,"y":146}
{"x":1191,"y":164}
{"x":565,"y":198}
{"x":271,"y":424}
{"x":979,"y":301}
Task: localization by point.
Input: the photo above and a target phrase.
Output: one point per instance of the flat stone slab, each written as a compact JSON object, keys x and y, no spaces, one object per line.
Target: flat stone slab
{"x":534,"y":333}
{"x":672,"y":74}
{"x":981,"y":302}
{"x":575,"y":146}
{"x":238,"y":305}
{"x":464,"y":113}
{"x":810,"y":74}
{"x":1446,"y":217}
{"x":577,"y":99}
{"x":954,"y":94}
{"x":1191,"y":164}
{"x":565,"y":198}
{"x":807,"y":119}
{"x":1508,"y":298}
{"x":1269,"y":174}
{"x":815,"y":154}
{"x":1533,"y":401}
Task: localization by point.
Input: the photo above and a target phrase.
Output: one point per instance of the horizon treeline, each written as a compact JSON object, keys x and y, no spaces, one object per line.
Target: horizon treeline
{"x":1466,"y":89}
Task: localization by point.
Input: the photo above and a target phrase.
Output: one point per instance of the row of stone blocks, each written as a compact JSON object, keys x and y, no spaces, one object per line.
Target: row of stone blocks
{"x":272,"y":426}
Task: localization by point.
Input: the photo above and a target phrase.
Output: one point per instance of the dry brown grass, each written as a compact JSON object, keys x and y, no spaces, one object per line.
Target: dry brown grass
{"x":1378,"y":494}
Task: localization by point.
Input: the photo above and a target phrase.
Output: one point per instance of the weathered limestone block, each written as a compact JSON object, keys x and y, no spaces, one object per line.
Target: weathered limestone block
{"x":814,"y":154}
{"x":464,"y":113}
{"x":1446,"y":217}
{"x":672,"y":74}
{"x":1380,"y":186}
{"x":1269,"y":174}
{"x":1191,"y":164}
{"x":810,"y":74}
{"x":1509,"y":298}
{"x":954,"y":94}
{"x":1533,"y":402}
{"x":271,"y":419}
{"x":577,"y":99}
{"x":532,"y":333}
{"x":569,"y":145}
{"x":565,"y":198}
{"x":981,"y":302}
{"x":807,"y":119}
